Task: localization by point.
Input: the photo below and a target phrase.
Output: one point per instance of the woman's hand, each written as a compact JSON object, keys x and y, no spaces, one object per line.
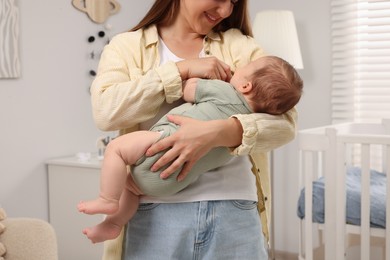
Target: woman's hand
{"x":192,"y":141}
{"x":205,"y":68}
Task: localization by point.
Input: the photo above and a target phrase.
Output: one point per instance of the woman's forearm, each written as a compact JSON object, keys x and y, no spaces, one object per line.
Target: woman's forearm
{"x":228,"y":132}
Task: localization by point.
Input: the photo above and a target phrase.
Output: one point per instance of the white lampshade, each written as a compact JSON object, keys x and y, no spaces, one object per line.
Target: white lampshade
{"x":276,"y":33}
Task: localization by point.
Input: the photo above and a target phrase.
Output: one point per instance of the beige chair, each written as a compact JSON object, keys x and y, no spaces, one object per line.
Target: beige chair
{"x":26,"y":239}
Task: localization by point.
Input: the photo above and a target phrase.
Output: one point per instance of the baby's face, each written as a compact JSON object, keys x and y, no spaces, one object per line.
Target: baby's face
{"x":244,"y":74}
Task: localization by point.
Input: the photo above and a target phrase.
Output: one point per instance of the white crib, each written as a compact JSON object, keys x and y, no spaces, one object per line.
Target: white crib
{"x":327,"y":151}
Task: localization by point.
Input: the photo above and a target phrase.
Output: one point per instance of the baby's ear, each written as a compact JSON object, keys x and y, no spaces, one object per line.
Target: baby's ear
{"x":246,"y":88}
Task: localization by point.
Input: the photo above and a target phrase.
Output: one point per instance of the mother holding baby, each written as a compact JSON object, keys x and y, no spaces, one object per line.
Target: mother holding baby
{"x":224,"y":214}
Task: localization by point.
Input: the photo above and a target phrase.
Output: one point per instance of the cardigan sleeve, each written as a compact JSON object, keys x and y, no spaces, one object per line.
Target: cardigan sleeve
{"x":129,"y":89}
{"x":264,"y":132}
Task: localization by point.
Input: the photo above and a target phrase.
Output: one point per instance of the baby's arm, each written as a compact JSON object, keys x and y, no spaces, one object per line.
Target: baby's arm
{"x":189,"y":89}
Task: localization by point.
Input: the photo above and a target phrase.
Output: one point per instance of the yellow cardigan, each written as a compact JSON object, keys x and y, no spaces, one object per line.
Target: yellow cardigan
{"x":130,"y":87}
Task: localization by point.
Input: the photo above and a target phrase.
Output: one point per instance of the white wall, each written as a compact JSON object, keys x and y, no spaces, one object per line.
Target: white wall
{"x":46,"y":112}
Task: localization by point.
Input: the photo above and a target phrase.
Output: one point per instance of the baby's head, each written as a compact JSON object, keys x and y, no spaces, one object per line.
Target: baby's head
{"x":269,"y":84}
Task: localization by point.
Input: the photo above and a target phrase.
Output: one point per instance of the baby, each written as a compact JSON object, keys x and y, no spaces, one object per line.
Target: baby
{"x":266,"y":85}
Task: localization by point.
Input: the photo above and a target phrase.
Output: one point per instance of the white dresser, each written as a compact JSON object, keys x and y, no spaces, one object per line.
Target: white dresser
{"x":72,"y":180}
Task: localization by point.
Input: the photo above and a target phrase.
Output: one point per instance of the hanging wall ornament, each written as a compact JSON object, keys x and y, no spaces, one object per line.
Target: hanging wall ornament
{"x":97,"y":10}
{"x":96,"y":43}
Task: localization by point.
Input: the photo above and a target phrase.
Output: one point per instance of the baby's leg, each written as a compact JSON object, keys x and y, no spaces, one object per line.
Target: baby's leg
{"x":111,"y":227}
{"x":122,"y":151}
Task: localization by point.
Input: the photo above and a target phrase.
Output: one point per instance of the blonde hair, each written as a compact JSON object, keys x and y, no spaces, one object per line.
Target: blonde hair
{"x":277,"y":87}
{"x":165,"y":11}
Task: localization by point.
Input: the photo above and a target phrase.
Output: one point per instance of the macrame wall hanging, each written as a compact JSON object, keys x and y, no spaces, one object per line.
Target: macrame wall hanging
{"x":9,"y":39}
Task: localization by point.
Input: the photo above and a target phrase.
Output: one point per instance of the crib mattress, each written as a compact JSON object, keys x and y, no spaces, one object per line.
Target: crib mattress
{"x":353,"y":191}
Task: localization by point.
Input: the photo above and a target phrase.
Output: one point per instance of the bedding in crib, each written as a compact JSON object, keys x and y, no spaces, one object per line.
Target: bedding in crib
{"x":353,"y":188}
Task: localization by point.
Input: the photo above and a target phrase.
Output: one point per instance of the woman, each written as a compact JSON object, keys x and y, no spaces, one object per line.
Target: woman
{"x":140,"y":77}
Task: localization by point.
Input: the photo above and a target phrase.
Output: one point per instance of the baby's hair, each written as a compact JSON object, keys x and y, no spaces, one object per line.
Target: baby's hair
{"x":277,"y":87}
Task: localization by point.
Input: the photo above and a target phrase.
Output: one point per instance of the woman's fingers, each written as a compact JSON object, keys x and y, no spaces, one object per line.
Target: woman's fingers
{"x":187,"y":146}
{"x":185,"y":170}
{"x":168,"y":158}
{"x":224,"y":71}
{"x":219,"y":70}
{"x":177,"y":164}
{"x":206,"y":68}
{"x":184,"y":163}
{"x":167,"y":142}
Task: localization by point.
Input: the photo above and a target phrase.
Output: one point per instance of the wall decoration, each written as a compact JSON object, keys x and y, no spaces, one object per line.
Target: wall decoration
{"x":96,"y":50}
{"x":9,"y":39}
{"x":96,"y":42}
{"x":97,"y":10}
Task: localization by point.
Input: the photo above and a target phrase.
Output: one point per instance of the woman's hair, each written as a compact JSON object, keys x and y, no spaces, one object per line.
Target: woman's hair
{"x":165,"y":11}
{"x":277,"y":87}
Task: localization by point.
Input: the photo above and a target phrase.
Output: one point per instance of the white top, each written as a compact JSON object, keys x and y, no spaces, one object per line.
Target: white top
{"x":233,"y":181}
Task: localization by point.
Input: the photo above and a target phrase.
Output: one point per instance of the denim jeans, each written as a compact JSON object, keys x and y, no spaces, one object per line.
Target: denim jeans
{"x":206,"y":230}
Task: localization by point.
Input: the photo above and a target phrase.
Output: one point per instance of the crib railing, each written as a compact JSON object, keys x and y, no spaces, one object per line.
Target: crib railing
{"x":327,"y":151}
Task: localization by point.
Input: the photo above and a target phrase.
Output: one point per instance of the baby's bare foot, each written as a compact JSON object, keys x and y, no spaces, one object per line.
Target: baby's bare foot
{"x":102,"y":232}
{"x":98,"y":206}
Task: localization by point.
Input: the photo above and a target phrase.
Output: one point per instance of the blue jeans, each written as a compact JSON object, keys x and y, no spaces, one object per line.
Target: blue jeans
{"x":206,"y":230}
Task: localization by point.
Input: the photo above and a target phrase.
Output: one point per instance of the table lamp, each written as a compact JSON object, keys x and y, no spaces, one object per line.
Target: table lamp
{"x":276,"y":33}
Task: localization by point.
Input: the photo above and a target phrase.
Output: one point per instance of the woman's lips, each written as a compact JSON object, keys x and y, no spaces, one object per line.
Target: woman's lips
{"x":211,"y":18}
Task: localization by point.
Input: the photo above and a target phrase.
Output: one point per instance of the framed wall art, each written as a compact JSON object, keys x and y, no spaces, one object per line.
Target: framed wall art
{"x":9,"y":39}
